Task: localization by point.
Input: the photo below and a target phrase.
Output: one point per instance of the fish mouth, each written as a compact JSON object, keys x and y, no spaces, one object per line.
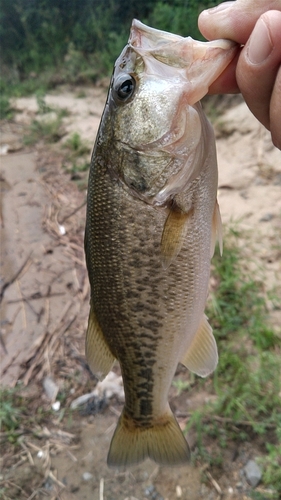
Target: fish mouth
{"x":190,"y":57}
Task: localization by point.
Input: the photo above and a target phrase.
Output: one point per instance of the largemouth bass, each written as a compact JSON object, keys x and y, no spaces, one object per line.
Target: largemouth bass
{"x":152,"y":222}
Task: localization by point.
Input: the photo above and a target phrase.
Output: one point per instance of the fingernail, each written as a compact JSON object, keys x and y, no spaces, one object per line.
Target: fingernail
{"x":260,"y":46}
{"x":219,"y":8}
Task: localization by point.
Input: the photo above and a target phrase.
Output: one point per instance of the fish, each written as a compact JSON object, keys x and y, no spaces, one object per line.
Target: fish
{"x":151,"y":227}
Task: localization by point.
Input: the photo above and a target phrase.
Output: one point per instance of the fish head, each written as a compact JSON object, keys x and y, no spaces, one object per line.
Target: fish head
{"x":157,"y":126}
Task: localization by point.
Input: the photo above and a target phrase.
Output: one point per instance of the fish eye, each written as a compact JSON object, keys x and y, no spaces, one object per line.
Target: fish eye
{"x":124,"y":87}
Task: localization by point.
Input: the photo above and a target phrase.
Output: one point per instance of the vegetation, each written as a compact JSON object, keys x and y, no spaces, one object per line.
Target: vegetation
{"x":76,"y":159}
{"x":10,"y":414}
{"x":46,"y":42}
{"x":247,"y":382}
{"x":16,"y":419}
{"x":48,"y":125}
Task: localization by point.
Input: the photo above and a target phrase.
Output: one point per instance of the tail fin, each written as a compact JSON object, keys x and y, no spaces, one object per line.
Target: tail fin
{"x":163,"y":442}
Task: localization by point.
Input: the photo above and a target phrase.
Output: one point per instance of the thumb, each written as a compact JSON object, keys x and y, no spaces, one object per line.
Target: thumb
{"x":234,"y":20}
{"x":258,"y":72}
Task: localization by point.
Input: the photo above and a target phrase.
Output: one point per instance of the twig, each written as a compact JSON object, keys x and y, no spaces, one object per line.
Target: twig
{"x":116,"y":412}
{"x":11,"y":483}
{"x":33,"y":446}
{"x":29,"y":456}
{"x":33,"y":494}
{"x":35,"y":296}
{"x":22,"y":306}
{"x":47,"y":341}
{"x":73,"y":458}
{"x":214,"y":483}
{"x":53,"y":477}
{"x":73,"y":212}
{"x":3,"y":343}
{"x":14,"y":278}
{"x":227,"y":420}
{"x":101,"y":488}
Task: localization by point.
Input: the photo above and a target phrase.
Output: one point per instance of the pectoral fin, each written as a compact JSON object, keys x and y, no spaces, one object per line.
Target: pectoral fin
{"x":216,"y":230}
{"x":202,"y":356}
{"x":99,"y":356}
{"x":173,"y":235}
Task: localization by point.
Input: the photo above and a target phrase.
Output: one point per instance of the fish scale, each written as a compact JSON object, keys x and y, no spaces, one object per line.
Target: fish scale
{"x":148,"y":242}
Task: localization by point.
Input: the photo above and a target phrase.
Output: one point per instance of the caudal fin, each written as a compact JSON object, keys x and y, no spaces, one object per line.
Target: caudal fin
{"x":163,"y":442}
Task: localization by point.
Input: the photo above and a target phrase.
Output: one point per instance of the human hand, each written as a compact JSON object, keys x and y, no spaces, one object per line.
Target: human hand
{"x":256,"y":71}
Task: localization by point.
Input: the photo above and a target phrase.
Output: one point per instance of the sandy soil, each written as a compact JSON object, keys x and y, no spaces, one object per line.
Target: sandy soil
{"x":45,"y":302}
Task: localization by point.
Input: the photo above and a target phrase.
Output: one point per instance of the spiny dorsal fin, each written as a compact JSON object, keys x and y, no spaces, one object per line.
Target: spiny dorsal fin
{"x":163,"y":442}
{"x":216,"y":230}
{"x":98,"y":354}
{"x":173,"y":235}
{"x":202,"y":356}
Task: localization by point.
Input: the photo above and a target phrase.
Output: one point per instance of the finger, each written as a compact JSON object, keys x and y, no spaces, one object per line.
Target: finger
{"x":258,"y":67}
{"x":275,"y":112}
{"x":226,"y":83}
{"x":234,"y":20}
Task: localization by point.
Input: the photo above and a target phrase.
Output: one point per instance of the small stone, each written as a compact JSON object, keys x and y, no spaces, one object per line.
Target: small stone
{"x":50,"y":387}
{"x":253,"y":473}
{"x":149,"y":490}
{"x":178,"y":491}
{"x":87,"y":476}
{"x":56,"y":406}
{"x":267,"y":217}
{"x":48,"y":485}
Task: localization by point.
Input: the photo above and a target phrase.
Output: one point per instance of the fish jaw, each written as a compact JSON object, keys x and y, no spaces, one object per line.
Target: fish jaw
{"x":203,"y":62}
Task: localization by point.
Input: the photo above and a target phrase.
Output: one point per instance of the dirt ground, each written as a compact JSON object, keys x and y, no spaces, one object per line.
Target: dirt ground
{"x":44,"y":305}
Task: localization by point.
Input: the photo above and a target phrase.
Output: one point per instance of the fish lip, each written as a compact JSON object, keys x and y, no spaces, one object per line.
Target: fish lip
{"x":140,"y":31}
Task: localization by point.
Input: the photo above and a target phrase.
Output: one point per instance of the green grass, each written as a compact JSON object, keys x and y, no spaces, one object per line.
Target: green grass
{"x":49,"y":130}
{"x":48,"y":125}
{"x":6,"y":112}
{"x":247,"y":381}
{"x":22,"y":415}
{"x":272,"y":465}
{"x":77,"y":159}
{"x":10,"y":413}
{"x":76,"y":145}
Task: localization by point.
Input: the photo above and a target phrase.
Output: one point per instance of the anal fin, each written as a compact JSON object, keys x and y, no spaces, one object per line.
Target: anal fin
{"x":98,"y":354}
{"x":173,"y":235}
{"x":202,"y":356}
{"x":216,"y":230}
